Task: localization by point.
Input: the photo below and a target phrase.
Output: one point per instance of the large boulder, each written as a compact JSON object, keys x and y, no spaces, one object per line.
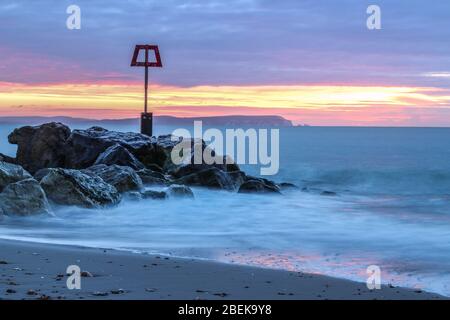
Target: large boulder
{"x":160,"y":155}
{"x":119,"y":155}
{"x":258,"y":186}
{"x":213,"y":178}
{"x":10,"y":173}
{"x":23,"y":198}
{"x":83,"y":147}
{"x":122,"y":178}
{"x":73,"y":187}
{"x":40,"y":146}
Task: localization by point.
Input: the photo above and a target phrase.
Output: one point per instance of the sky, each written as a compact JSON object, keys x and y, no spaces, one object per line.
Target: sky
{"x":311,"y":61}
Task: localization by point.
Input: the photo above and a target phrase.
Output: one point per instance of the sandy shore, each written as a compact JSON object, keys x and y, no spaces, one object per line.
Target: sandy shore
{"x":38,"y":271}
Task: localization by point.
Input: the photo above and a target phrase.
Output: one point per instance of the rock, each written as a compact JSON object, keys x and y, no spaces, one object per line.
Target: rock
{"x":287,"y":186}
{"x":117,"y":291}
{"x":221,"y":294}
{"x":31,"y":292}
{"x":10,"y":173}
{"x":328,"y":193}
{"x":38,"y":175}
{"x":24,"y":198}
{"x":257,"y":186}
{"x":229,"y":165}
{"x":238,"y":178}
{"x":232,"y":167}
{"x":133,"y":196}
{"x":163,"y":149}
{"x":189,"y":168}
{"x":116,"y":154}
{"x":122,"y":178}
{"x":150,"y":177}
{"x":86,"y":274}
{"x":105,"y":154}
{"x":73,"y":187}
{"x":154,"y":167}
{"x":146,"y":194}
{"x":196,"y":145}
{"x":5,"y":158}
{"x":40,"y":146}
{"x":83,"y":147}
{"x":53,"y":145}
{"x":264,"y":181}
{"x":179,"y":191}
{"x":152,"y":194}
{"x":212,"y":178}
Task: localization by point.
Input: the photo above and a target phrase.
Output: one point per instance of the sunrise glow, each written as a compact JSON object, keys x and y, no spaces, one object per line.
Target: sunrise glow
{"x":115,"y":100}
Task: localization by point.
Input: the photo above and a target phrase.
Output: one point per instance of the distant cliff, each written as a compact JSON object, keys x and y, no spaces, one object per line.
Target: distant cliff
{"x":247,"y":121}
{"x":229,"y":121}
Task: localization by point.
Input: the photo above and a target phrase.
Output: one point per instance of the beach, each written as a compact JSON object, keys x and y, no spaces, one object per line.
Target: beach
{"x":342,"y":215}
{"x":38,"y":271}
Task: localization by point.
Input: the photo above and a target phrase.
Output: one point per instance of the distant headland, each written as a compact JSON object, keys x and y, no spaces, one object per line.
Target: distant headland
{"x":236,"y":120}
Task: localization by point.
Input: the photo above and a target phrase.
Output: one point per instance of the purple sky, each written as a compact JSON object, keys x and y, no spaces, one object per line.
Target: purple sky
{"x":232,"y":42}
{"x":311,"y":61}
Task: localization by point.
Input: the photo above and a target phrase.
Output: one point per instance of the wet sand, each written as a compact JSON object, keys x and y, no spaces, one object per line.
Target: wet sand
{"x":38,"y":271}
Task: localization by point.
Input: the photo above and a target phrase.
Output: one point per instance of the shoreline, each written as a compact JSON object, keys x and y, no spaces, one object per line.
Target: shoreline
{"x":38,"y":271}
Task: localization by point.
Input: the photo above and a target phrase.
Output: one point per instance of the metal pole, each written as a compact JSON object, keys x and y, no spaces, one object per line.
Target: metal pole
{"x":146,"y":89}
{"x":146,"y":117}
{"x":146,"y":79}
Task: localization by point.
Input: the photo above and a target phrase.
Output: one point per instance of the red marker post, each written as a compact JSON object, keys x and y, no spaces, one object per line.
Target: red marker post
{"x":146,"y":117}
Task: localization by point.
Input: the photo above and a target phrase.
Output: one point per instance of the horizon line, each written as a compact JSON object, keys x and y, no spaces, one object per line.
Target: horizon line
{"x":226,"y":116}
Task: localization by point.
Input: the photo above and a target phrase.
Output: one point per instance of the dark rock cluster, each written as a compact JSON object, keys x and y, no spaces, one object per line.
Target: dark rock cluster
{"x":96,"y":168}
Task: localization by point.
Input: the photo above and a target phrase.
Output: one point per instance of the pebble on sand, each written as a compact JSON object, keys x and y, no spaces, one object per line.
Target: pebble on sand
{"x":31,"y":292}
{"x":118,"y":291}
{"x":86,"y":274}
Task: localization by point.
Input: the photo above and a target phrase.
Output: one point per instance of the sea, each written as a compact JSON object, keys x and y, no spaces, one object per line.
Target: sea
{"x":388,"y":205}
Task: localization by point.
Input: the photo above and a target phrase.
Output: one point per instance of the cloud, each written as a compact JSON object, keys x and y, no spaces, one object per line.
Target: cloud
{"x":246,"y":46}
{"x":236,"y":42}
{"x":437,"y":74}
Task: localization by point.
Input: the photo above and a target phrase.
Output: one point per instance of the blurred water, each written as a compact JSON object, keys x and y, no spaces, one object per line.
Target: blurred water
{"x":392,"y":210}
